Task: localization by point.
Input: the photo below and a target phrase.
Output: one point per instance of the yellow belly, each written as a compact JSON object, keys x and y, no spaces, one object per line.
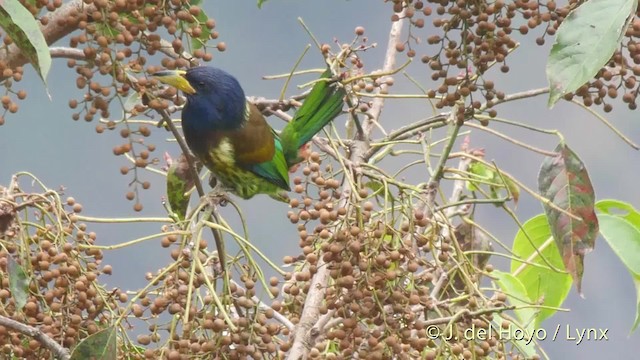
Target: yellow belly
{"x":235,"y":179}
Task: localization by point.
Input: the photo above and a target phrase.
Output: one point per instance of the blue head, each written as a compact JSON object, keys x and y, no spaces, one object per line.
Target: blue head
{"x":217,"y":102}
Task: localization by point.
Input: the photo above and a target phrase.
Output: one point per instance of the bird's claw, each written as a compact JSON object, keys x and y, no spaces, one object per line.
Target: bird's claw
{"x":215,"y":198}
{"x":213,"y":181}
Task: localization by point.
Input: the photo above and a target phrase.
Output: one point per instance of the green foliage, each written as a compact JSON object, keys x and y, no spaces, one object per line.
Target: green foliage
{"x":519,"y":297}
{"x":100,"y":346}
{"x":179,"y":182}
{"x":563,"y":179}
{"x":585,"y":42}
{"x":18,"y":283}
{"x":489,"y":177}
{"x":199,"y":20}
{"x":542,"y":275}
{"x":620,"y":227}
{"x":25,"y":32}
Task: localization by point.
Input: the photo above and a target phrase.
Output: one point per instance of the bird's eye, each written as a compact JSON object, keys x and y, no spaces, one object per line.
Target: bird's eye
{"x":201,"y":83}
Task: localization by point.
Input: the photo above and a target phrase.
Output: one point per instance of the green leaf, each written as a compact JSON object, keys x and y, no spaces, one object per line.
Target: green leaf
{"x":132,"y":100}
{"x":25,"y":32}
{"x":563,"y":179}
{"x":636,"y":322}
{"x":543,"y":284}
{"x":624,"y":238}
{"x":106,"y":29}
{"x":482,"y":174}
{"x":519,"y":297}
{"x":377,"y":187}
{"x":197,"y":42}
{"x":18,"y":282}
{"x":585,"y":41}
{"x":619,"y":208}
{"x":524,"y":346}
{"x":179,"y":182}
{"x":205,"y":33}
{"x":98,"y":346}
{"x":260,"y":2}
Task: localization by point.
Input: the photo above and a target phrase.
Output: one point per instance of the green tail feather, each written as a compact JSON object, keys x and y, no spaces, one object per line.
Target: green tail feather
{"x":323,"y":104}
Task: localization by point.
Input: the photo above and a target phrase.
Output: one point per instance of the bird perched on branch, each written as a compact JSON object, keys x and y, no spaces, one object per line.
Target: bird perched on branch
{"x":232,"y":138}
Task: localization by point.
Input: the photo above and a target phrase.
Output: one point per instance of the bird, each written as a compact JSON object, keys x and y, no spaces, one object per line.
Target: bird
{"x":232,"y":138}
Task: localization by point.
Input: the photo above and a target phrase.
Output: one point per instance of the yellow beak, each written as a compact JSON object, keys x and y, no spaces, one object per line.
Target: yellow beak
{"x":176,"y":79}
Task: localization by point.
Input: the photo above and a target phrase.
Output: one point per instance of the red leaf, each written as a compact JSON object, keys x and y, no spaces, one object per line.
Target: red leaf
{"x":563,"y":179}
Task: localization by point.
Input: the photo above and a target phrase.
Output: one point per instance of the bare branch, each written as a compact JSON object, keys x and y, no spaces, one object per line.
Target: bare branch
{"x":58,"y":350}
{"x":67,"y":53}
{"x":389,"y":64}
{"x":264,"y":307}
{"x":302,"y":337}
{"x":58,"y":26}
{"x":310,"y":312}
{"x":515,"y":96}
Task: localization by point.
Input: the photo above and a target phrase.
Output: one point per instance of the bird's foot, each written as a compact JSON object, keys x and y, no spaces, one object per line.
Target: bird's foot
{"x":216,"y":198}
{"x":213,"y":181}
{"x":281,"y":196}
{"x":218,"y":194}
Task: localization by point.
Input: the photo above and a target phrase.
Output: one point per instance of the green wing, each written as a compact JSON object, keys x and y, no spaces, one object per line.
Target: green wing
{"x":258,"y":149}
{"x":322,"y":105}
{"x":276,"y":170}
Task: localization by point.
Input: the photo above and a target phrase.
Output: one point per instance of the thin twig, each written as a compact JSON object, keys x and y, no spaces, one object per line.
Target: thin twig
{"x":264,"y":307}
{"x":438,"y":286}
{"x":320,"y":325}
{"x":444,"y":157}
{"x":515,"y":96}
{"x":466,"y":312}
{"x":607,"y":124}
{"x":198,"y":184}
{"x":511,"y":140}
{"x":408,"y":131}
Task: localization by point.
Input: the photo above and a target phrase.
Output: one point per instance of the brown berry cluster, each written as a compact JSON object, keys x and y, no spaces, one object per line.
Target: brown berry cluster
{"x":112,"y":42}
{"x":111,"y":30}
{"x":9,"y":76}
{"x":198,"y":327}
{"x":64,"y":299}
{"x":137,"y":149}
{"x":10,"y":72}
{"x":473,"y":37}
{"x":119,"y":37}
{"x":619,"y":78}
{"x":385,"y":267}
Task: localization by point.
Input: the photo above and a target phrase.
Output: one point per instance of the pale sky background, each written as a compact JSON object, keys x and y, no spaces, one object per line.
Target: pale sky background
{"x":44,"y":140}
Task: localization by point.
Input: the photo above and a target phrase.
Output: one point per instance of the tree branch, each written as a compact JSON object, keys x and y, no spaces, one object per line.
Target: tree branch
{"x":58,"y":26}
{"x":58,"y":350}
{"x":388,"y":66}
{"x":302,"y":337}
{"x":67,"y":53}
